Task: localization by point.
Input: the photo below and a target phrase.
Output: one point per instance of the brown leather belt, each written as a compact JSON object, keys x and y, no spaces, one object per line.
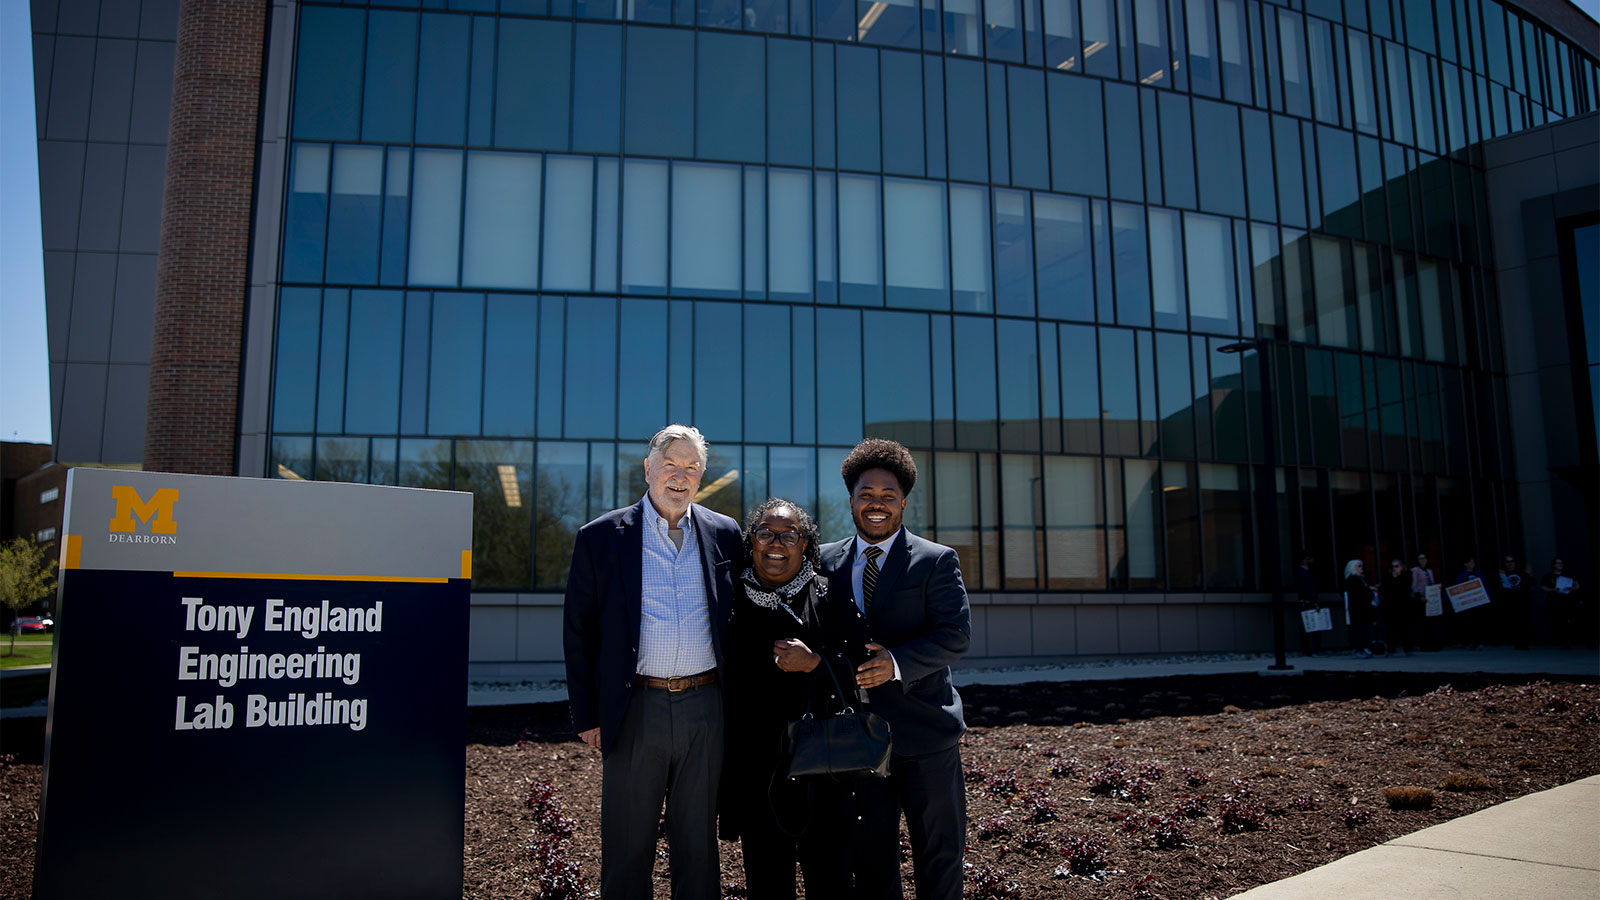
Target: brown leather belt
{"x":677,"y":682}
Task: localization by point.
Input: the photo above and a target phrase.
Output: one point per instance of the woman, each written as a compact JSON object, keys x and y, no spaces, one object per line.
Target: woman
{"x":1397,"y":606}
{"x":1358,"y":607}
{"x":1563,"y":603}
{"x":785,"y":627}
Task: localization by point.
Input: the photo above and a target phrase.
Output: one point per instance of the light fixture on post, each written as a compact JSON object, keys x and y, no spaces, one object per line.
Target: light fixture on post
{"x":1269,"y":482}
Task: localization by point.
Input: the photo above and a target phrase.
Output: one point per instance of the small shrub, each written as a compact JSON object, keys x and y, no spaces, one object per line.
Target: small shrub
{"x":1237,"y":814}
{"x":1019,"y":743}
{"x":1040,"y":805}
{"x":1065,"y":768}
{"x":1355,"y":815}
{"x":1190,"y":807}
{"x":987,"y":881}
{"x":1304,"y":802}
{"x":1109,"y":778}
{"x":1407,"y":796}
{"x":556,"y":876}
{"x":1137,"y":789}
{"x":992,"y":827}
{"x":974,"y":773}
{"x":1241,"y":787}
{"x":541,"y":795}
{"x":1153,"y":772}
{"x":1194,"y":777}
{"x":1048,"y":751}
{"x":7,"y":760}
{"x":1085,"y":855}
{"x":1001,"y":784}
{"x":1036,"y":840}
{"x":1168,"y":832}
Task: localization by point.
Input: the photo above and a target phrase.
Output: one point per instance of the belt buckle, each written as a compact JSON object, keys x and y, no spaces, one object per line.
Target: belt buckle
{"x":678,"y":683}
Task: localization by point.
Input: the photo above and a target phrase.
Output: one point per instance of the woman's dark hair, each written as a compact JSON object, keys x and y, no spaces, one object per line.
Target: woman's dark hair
{"x":877,"y":453}
{"x":803,"y":523}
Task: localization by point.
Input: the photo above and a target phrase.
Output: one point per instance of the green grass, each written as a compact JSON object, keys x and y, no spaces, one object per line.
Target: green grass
{"x":5,"y":639}
{"x":28,"y":653}
{"x":23,"y":690}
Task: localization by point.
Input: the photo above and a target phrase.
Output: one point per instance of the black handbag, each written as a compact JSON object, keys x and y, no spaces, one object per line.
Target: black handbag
{"x":847,"y":742}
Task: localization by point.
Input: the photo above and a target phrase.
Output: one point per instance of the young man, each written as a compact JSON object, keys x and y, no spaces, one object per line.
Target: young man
{"x":919,"y":623}
{"x":646,"y":610}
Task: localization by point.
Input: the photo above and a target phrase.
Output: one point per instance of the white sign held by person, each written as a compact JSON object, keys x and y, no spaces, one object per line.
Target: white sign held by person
{"x":1434,"y":595}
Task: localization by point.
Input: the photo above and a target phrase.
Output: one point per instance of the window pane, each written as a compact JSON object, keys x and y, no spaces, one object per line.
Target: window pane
{"x":1065,"y":258}
{"x":414,"y":364}
{"x":331,"y":44}
{"x":1177,"y":151}
{"x":330,"y":367}
{"x":597,"y":88}
{"x":904,"y":151}
{"x":442,"y":80}
{"x":1182,"y":519}
{"x":568,"y":200}
{"x":425,"y":464}
{"x":500,"y":476}
{"x":718,"y":341}
{"x":839,"y":383}
{"x":976,"y":412}
{"x":391,"y":75}
{"x":294,"y":397}
{"x":1141,"y":490}
{"x":1074,"y":537}
{"x":705,"y":228}
{"x":956,"y":510}
{"x":455,"y":377}
{"x":532,"y":84}
{"x":1210,"y":268}
{"x":768,"y":384}
{"x":591,"y":356}
{"x":1080,"y":389}
{"x":789,"y":234}
{"x":342,"y":459}
{"x":510,"y":339}
{"x":372,"y":398}
{"x":969,"y":247}
{"x":1019,"y":384}
{"x":731,"y":97}
{"x":788,"y":102}
{"x":1336,"y":320}
{"x":858,"y":112}
{"x":1030,"y":161}
{"x":1122,"y":130}
{"x":1291,"y":178}
{"x":560,"y":510}
{"x":1225,"y":516}
{"x":396,"y":217}
{"x":826,"y":240}
{"x":965,"y":119}
{"x":305,"y":214}
{"x":1263,"y":194}
{"x":644,"y":228}
{"x":1077,"y":139}
{"x":860,"y":237}
{"x":1119,"y":397}
{"x":435,"y":217}
{"x":1176,"y":396}
{"x":659,"y":102}
{"x":1132,"y":277}
{"x":1219,"y":157}
{"x":897,"y":376}
{"x":915,"y":258}
{"x":642,"y":399}
{"x":291,"y":458}
{"x":1166,"y":268}
{"x":501,"y":232}
{"x":607,"y":232}
{"x":1013,"y":253}
{"x":1020,"y":534}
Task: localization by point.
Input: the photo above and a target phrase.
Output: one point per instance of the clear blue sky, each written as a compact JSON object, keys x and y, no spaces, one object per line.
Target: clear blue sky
{"x":24,"y":366}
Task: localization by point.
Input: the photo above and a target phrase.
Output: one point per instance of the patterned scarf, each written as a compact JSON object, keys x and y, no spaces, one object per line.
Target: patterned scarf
{"x":785,"y":594}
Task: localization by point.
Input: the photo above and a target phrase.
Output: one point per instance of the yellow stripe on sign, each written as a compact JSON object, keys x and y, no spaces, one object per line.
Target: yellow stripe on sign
{"x":466,"y":564}
{"x":295,"y":576}
{"x":71,"y":551}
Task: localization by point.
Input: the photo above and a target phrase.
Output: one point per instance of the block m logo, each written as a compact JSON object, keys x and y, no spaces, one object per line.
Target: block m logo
{"x":130,"y":504}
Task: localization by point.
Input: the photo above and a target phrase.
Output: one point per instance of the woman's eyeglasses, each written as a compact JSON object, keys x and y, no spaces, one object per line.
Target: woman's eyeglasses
{"x":766,"y":536}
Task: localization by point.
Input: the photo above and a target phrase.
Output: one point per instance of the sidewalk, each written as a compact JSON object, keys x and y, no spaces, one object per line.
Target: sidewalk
{"x":1544,"y":845}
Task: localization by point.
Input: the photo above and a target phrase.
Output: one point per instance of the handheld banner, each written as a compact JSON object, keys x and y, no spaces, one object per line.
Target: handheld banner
{"x":1317,"y":619}
{"x":257,"y":690}
{"x":1434,"y":600}
{"x":1467,"y":594}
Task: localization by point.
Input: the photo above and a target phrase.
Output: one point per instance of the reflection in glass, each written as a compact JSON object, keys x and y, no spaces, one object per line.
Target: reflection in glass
{"x":501,"y":228}
{"x":290,"y":458}
{"x":1141,"y":490}
{"x":560,"y":492}
{"x":705,"y":229}
{"x":341,"y":459}
{"x":1064,"y":257}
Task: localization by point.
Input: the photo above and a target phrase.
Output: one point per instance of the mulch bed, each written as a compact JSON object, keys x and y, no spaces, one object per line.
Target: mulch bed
{"x":1193,"y":787}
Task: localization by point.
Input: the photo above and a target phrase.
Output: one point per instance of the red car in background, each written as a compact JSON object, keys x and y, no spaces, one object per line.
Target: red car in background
{"x":36,"y":624}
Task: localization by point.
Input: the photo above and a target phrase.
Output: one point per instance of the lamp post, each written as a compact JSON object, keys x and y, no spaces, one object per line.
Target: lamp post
{"x":1269,"y":482}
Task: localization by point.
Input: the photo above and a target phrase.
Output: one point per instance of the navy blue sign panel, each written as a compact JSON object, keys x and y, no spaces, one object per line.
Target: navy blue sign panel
{"x":225,"y":723}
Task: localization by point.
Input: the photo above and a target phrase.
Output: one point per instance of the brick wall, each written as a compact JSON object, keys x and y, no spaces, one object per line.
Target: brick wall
{"x":205,"y":238}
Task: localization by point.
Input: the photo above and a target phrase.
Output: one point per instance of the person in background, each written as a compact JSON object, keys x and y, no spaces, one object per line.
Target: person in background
{"x":1397,"y":606}
{"x":1512,"y":597}
{"x":1564,"y":604}
{"x":1358,"y":607}
{"x":1422,"y":578}
{"x":1472,"y":624}
{"x":1305,"y":587}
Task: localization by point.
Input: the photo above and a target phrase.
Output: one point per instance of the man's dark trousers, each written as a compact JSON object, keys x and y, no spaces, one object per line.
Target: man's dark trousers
{"x":670,"y":743}
{"x":935,"y":799}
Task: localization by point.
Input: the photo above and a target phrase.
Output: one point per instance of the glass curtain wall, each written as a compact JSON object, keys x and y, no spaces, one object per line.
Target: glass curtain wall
{"x":520,"y":236}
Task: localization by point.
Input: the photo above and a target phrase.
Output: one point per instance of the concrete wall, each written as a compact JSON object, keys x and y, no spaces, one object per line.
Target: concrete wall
{"x":1535,"y":179}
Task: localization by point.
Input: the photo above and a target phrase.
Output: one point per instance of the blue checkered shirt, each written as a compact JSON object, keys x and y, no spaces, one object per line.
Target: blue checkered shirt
{"x":675,"y":613}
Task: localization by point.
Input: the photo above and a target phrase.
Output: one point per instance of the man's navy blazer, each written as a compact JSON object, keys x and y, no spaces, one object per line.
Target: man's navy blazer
{"x":602,"y":609}
{"x":920,"y":613}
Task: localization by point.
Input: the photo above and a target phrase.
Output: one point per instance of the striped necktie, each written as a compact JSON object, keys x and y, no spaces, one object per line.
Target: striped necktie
{"x":869,"y":577}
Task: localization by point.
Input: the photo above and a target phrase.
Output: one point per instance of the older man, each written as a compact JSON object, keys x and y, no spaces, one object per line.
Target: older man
{"x":646,"y":608}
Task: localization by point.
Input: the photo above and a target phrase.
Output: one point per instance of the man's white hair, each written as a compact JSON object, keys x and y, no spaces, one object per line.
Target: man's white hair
{"x":670,"y":435}
{"x":1350,"y":567}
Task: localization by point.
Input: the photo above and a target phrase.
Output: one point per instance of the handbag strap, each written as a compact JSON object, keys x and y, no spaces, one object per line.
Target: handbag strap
{"x":838,"y":689}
